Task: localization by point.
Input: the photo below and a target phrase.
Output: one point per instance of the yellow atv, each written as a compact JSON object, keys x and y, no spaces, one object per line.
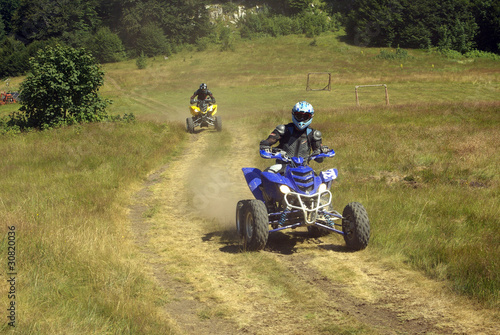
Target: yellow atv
{"x":203,"y":115}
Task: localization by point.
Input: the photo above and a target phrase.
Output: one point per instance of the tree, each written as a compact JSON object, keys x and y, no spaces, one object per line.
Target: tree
{"x":13,"y":57}
{"x":487,"y":15}
{"x":44,"y":19}
{"x":152,"y":41}
{"x":62,"y":88}
{"x":412,"y":23}
{"x":2,"y":29}
{"x":106,"y":46}
{"x":7,"y":9}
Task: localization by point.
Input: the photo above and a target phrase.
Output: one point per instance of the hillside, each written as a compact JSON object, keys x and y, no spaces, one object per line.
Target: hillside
{"x":129,"y":228}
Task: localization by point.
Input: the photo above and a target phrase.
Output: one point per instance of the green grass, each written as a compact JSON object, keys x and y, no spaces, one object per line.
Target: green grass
{"x":428,"y":177}
{"x":426,"y":168}
{"x":64,"y":191}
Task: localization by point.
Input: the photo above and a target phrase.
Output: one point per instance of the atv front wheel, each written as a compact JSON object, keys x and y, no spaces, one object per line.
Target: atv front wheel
{"x":190,"y":125}
{"x":254,"y":225}
{"x":218,"y":123}
{"x":356,"y":226}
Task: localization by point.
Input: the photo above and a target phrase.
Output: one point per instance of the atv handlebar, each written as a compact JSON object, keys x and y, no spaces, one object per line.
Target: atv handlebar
{"x":195,"y":101}
{"x":276,"y":153}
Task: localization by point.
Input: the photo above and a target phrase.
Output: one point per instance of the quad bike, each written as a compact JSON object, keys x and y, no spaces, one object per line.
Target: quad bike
{"x":296,"y":198}
{"x":203,"y":115}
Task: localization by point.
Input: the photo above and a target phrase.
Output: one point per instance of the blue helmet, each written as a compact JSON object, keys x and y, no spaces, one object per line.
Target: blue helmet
{"x":302,"y":114}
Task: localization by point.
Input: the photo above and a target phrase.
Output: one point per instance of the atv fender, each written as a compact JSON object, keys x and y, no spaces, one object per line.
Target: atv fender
{"x":253,"y":178}
{"x":329,"y":175}
{"x":195,"y":110}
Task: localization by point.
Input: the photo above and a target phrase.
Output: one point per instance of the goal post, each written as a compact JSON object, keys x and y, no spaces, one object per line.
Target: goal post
{"x":378,"y":85}
{"x":319,"y":78}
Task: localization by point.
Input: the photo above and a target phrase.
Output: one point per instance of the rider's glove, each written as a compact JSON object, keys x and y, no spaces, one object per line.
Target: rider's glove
{"x":192,"y":101}
{"x":213,"y":101}
{"x":265,"y":148}
{"x":324,"y":149}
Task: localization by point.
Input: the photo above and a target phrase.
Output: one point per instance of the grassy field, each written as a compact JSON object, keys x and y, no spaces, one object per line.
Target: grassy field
{"x":426,"y":167}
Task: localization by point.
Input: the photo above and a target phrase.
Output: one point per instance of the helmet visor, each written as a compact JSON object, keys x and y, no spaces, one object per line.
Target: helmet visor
{"x":302,"y":117}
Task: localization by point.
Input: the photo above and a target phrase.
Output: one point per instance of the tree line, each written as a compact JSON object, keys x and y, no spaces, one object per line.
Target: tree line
{"x":113,"y":30}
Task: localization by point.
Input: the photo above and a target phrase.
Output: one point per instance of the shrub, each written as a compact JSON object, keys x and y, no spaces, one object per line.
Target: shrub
{"x":62,"y":88}
{"x":152,"y":41}
{"x":107,"y":46}
{"x":398,"y":54}
{"x":226,"y":39}
{"x":482,"y":54}
{"x":202,"y":44}
{"x":142,"y":61}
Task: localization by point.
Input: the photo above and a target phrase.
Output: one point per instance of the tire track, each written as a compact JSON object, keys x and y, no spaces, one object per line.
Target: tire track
{"x":192,"y":251}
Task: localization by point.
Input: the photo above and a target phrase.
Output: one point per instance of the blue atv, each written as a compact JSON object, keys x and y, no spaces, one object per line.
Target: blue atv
{"x":297,"y":197}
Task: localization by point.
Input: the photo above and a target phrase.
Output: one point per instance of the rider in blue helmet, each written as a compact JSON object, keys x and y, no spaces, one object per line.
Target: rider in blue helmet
{"x":297,"y":139}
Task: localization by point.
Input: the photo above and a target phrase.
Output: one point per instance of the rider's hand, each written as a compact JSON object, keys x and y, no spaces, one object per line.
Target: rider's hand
{"x":265,"y":148}
{"x":192,"y":101}
{"x":324,"y":149}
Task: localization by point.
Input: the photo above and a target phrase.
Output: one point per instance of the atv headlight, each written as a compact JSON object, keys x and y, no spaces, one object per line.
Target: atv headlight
{"x":322,"y":188}
{"x":285,"y":189}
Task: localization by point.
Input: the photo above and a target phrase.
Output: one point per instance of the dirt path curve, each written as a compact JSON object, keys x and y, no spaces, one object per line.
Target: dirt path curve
{"x":183,"y":223}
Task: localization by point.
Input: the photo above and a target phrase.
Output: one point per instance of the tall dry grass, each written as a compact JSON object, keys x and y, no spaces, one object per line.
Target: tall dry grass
{"x":428,"y":175}
{"x":66,"y":193}
{"x":426,"y":168}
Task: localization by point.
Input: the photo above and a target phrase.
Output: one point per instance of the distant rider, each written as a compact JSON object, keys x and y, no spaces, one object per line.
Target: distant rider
{"x":203,"y":92}
{"x":297,"y":139}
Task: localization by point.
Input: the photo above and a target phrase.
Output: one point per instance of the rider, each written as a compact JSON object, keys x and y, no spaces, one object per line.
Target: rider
{"x":297,"y":139}
{"x":203,"y":92}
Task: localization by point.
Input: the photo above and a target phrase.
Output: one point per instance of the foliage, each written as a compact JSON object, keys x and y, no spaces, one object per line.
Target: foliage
{"x":399,"y":53}
{"x":7,"y":10}
{"x":202,"y":44}
{"x":44,"y":19}
{"x":265,"y":23}
{"x":142,"y":61}
{"x":487,"y":15}
{"x":2,"y":29}
{"x":152,"y":41}
{"x":62,"y":88}
{"x":412,"y":24}
{"x":482,"y":54}
{"x":106,"y":46}
{"x":226,"y":39}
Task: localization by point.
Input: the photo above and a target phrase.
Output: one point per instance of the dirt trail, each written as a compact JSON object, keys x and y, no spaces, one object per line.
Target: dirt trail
{"x":296,"y":286}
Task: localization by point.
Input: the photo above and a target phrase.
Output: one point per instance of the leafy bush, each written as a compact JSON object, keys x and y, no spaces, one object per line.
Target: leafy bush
{"x":142,"y":61}
{"x":265,"y":24}
{"x":482,"y":54}
{"x":13,"y":58}
{"x":62,"y":88}
{"x":107,"y":46}
{"x":226,"y":39}
{"x":412,"y":24}
{"x":398,"y":54}
{"x":152,"y":41}
{"x":202,"y":44}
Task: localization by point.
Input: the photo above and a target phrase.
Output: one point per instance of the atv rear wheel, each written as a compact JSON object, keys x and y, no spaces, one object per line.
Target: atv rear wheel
{"x":190,"y":125}
{"x":218,"y":123}
{"x":355,"y":226}
{"x":254,"y":225}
